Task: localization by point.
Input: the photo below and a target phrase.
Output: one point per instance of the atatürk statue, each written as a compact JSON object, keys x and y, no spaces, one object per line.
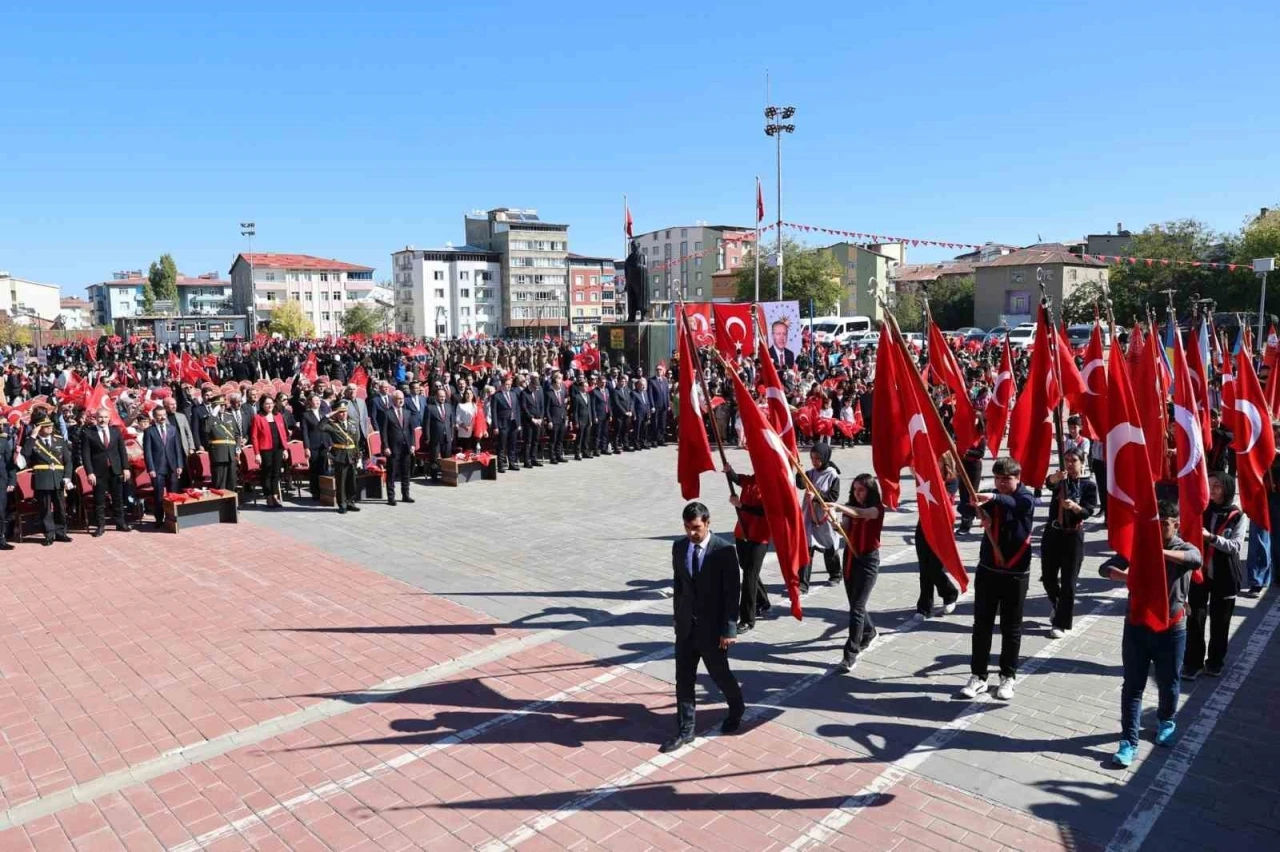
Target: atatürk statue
{"x":637,"y":284}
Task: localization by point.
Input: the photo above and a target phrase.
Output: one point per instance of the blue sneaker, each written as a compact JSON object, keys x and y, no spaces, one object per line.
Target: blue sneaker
{"x":1166,"y":732}
{"x":1125,"y":754}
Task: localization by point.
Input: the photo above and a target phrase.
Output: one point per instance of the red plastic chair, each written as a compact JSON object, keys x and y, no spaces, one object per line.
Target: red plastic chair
{"x":299,"y":467}
{"x":250,"y":473}
{"x":24,"y":506}
{"x":144,"y":490}
{"x":86,"y":495}
{"x":201,"y":469}
{"x":375,"y":444}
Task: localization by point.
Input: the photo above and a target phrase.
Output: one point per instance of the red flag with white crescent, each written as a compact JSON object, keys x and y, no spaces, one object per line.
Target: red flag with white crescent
{"x":733,"y":329}
{"x":775,"y":397}
{"x":1252,"y":440}
{"x":699,"y":314}
{"x":1031,"y":435}
{"x":999,"y":401}
{"x":1193,"y":474}
{"x":1093,"y":401}
{"x":890,"y":447}
{"x":693,"y":450}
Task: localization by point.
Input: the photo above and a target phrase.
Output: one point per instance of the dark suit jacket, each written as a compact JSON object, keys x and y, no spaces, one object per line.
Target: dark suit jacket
{"x":782,"y":359}
{"x":531,"y":407}
{"x":162,"y":457}
{"x":378,"y":411}
{"x":506,"y":408}
{"x":557,"y":404}
{"x":313,"y":436}
{"x":660,"y":393}
{"x":706,"y":606}
{"x":582,"y":409}
{"x":436,"y":429}
{"x":100,"y":460}
{"x":397,"y":437}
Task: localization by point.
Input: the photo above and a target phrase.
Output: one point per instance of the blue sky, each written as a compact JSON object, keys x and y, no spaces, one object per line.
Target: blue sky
{"x":134,"y":129}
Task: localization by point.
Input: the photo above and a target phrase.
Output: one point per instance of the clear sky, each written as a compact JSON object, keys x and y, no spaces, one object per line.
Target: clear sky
{"x":350,"y":130}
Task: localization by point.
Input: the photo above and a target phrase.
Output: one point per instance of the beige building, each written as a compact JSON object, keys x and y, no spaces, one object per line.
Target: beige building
{"x":24,"y":300}
{"x":865,"y":276}
{"x":325,"y":288}
{"x":1006,"y":289}
{"x":681,"y":260}
{"x":533,"y":281}
{"x":75,"y":314}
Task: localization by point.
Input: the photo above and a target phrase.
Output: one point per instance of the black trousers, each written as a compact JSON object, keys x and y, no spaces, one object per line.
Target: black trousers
{"x":858,"y":583}
{"x":584,"y":444}
{"x":688,"y":652}
{"x":1002,"y":593}
{"x":271,"y":461}
{"x":318,"y":467}
{"x":224,"y":475}
{"x":166,"y":483}
{"x":640,"y":438}
{"x":508,"y":436}
{"x":752,"y":595}
{"x":532,"y":442}
{"x":398,"y":464}
{"x":1099,"y":468}
{"x":602,"y":435}
{"x":622,"y":434}
{"x":933,"y":577}
{"x":53,"y":511}
{"x":1205,"y":605}
{"x":109,"y":484}
{"x":344,"y":484}
{"x":556,"y":450}
{"x":830,"y":558}
{"x":4,"y":516}
{"x":1061,"y":552}
{"x":660,"y":425}
{"x":972,"y":469}
{"x":438,"y":448}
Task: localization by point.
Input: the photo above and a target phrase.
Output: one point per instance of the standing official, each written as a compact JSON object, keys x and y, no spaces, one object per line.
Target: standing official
{"x":533,"y":420}
{"x":600,"y":408}
{"x":622,"y":411}
{"x":584,"y":422}
{"x":660,"y":398}
{"x":641,"y":436}
{"x":557,"y":416}
{"x":1075,"y":499}
{"x":49,"y":459}
{"x":107,"y":465}
{"x":316,"y":443}
{"x":706,"y":587}
{"x":438,"y":430}
{"x":8,"y":482}
{"x":506,"y":424}
{"x":397,"y":446}
{"x":162,"y":450}
{"x":344,"y":454}
{"x":223,"y":439}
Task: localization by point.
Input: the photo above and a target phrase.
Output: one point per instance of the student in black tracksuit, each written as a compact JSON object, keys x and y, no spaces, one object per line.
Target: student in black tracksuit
{"x":1075,"y":499}
{"x":1212,"y":597}
{"x":1000,"y":586}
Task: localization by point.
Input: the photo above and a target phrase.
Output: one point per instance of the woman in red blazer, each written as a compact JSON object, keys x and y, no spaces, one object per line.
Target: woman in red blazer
{"x":268,"y":436}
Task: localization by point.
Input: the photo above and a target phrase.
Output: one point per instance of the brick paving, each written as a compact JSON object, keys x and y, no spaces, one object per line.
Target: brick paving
{"x":488,"y":668}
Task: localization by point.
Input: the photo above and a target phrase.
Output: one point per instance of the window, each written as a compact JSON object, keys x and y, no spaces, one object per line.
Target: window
{"x":295,"y":297}
{"x":464,"y":275}
{"x":684,"y":249}
{"x":439,"y":292}
{"x":271,"y":297}
{"x":595,"y":280}
{"x":655,"y":236}
{"x":324,"y":295}
{"x":697,"y":246}
{"x":579,"y":312}
{"x":577,"y":280}
{"x":657,"y":294}
{"x":309,"y":296}
{"x":1017,"y":302}
{"x":684,"y":232}
{"x":464,"y":293}
{"x":1071,"y":275}
{"x":306,"y":276}
{"x":668,"y":236}
{"x":466,"y":312}
{"x":337,"y":295}
{"x":595,"y":297}
{"x":698,"y":291}
{"x":324,"y":276}
{"x":324,"y":316}
{"x":697,"y":276}
{"x":270,"y":276}
{"x":438,"y":275}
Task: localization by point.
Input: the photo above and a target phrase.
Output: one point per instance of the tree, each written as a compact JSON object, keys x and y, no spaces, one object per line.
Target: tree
{"x":291,"y":323}
{"x":951,"y":301}
{"x":808,"y":275}
{"x":908,"y":310}
{"x":162,"y":279}
{"x":366,"y":319}
{"x":12,"y":334}
{"x":1260,"y":238}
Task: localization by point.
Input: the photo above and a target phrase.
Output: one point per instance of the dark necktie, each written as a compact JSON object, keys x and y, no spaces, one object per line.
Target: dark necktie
{"x":697,"y":559}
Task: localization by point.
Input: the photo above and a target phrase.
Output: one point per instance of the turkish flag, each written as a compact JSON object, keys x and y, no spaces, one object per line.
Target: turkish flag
{"x":175,"y":367}
{"x":97,"y":399}
{"x":1269,"y":360}
{"x":945,"y":367}
{"x":308,"y":368}
{"x":1093,"y":401}
{"x":733,"y":329}
{"x":480,"y":425}
{"x":1148,"y":393}
{"x":772,"y":469}
{"x":890,"y":447}
{"x":1133,"y":528}
{"x":1073,"y":387}
{"x":693,"y":451}
{"x":699,"y":315}
{"x":937,"y":515}
{"x":192,"y":372}
{"x":999,"y":400}
{"x":360,"y":378}
{"x":588,"y":359}
{"x":1199,"y":373}
{"x":1031,"y":436}
{"x":1253,"y":441}
{"x":627,"y":224}
{"x":775,"y":397}
{"x":759,"y":203}
{"x":1193,"y":474}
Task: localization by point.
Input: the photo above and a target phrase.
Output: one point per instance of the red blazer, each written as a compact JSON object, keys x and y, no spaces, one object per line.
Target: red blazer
{"x":260,"y":430}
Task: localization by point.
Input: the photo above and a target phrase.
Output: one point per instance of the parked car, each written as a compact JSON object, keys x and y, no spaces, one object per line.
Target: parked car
{"x":976,"y":334}
{"x":1022,"y":336}
{"x":996,"y":335}
{"x":1078,"y":335}
{"x":968,"y":330}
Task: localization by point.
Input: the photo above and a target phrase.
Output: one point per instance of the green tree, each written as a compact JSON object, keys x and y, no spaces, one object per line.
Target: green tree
{"x":163,"y":279}
{"x":365,"y":319}
{"x":291,"y":323}
{"x":148,"y":298}
{"x":807,"y":275}
{"x":951,"y":302}
{"x":1260,"y":238}
{"x":908,"y":310}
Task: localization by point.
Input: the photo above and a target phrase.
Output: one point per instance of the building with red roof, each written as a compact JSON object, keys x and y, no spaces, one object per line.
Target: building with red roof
{"x":326,"y":288}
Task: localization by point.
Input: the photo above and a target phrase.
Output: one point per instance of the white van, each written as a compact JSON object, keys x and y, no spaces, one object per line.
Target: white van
{"x":831,"y":329}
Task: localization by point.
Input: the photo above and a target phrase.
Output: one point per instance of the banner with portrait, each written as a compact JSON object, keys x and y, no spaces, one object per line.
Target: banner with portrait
{"x":780,"y":328}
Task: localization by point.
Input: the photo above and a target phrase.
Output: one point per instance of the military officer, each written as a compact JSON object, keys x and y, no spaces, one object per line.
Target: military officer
{"x":344,"y":455}
{"x":223,"y":440}
{"x":48,"y":456}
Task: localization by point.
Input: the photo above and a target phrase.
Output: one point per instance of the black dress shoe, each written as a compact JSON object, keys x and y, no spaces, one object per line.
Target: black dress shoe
{"x":744,"y":627}
{"x":514,"y":467}
{"x":731,"y":724}
{"x":342,"y":510}
{"x":391,"y":502}
{"x":66,"y":539}
{"x":124,"y":528}
{"x":535,"y":464}
{"x":48,"y":542}
{"x":676,"y":742}
{"x":4,"y":545}
{"x":351,"y":508}
{"x":407,"y":499}
{"x":98,"y":532}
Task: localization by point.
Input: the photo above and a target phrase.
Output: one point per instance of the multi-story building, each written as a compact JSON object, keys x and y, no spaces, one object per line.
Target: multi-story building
{"x":1118,"y":243}
{"x":1006,"y":288}
{"x":865,"y":274}
{"x":533,"y":279}
{"x":204,"y":295}
{"x":24,"y":300}
{"x":448,"y":292}
{"x":913,"y":277}
{"x":586,"y":292}
{"x":609,"y":293}
{"x":121,"y":297}
{"x":326,"y":288}
{"x":682,"y":259}
{"x":75,"y":314}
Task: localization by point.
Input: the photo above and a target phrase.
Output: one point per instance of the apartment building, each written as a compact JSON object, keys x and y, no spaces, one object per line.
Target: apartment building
{"x":75,"y":314}
{"x":326,"y":288}
{"x":25,"y":300}
{"x":587,"y":292}
{"x":533,"y":281}
{"x":682,"y":259}
{"x":449,"y":292}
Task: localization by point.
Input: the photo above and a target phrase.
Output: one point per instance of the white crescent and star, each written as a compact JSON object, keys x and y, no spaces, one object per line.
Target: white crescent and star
{"x":1249,"y":410}
{"x":776,"y":393}
{"x":1121,"y":435}
{"x":729,"y":324}
{"x":995,"y":388}
{"x":775,"y":443}
{"x":915,"y":425}
{"x":925,"y":488}
{"x":1095,"y":364}
{"x":1188,"y":423}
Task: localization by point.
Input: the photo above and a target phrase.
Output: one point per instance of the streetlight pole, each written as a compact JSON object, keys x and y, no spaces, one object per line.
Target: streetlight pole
{"x":249,"y":230}
{"x":1261,"y":266}
{"x":774,"y":127}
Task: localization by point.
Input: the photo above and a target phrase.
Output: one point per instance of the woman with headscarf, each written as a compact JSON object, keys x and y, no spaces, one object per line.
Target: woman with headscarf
{"x":1212,"y":596}
{"x":864,"y":519}
{"x":818,"y":526}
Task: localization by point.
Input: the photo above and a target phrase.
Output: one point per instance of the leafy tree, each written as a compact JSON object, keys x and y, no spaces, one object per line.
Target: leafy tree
{"x":12,"y":334}
{"x":951,"y":302}
{"x":291,"y":323}
{"x":908,"y":310}
{"x":365,"y":319}
{"x":807,"y":274}
{"x":162,"y":279}
{"x":148,"y":298}
{"x":1260,"y":238}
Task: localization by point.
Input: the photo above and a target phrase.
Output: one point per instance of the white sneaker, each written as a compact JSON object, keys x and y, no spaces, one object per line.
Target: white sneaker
{"x":975,"y":687}
{"x":947,"y":609}
{"x":1005,"y":690}
{"x":1056,"y":633}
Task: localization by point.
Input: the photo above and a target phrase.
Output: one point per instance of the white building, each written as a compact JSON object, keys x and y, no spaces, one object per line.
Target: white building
{"x":262,"y":281}
{"x":76,"y":314}
{"x":121,"y":297}
{"x":22,"y":299}
{"x":449,"y":292}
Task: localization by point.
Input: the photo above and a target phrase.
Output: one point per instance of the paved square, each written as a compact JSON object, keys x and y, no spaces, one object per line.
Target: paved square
{"x":491,"y":668}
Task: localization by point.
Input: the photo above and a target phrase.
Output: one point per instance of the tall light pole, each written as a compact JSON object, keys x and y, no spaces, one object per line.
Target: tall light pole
{"x":774,"y":127}
{"x":1261,"y":266}
{"x":249,"y":230}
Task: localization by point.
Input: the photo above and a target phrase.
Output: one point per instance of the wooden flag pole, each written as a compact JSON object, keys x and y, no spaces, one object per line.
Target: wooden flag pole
{"x":706,"y":394}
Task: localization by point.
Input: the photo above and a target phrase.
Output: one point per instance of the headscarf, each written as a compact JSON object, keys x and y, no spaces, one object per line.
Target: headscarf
{"x":823,"y":451}
{"x":1228,"y":491}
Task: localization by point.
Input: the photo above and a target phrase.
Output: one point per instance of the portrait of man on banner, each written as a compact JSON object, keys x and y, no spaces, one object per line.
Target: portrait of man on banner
{"x":781,"y":332}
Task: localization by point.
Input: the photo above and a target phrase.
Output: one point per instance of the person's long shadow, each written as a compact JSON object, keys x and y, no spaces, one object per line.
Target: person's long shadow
{"x":889,"y":741}
{"x":634,"y":590}
{"x":1072,"y":665}
{"x":548,"y":618}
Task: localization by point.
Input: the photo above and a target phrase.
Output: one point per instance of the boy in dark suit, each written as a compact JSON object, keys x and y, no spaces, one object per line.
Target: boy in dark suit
{"x":706,"y":577}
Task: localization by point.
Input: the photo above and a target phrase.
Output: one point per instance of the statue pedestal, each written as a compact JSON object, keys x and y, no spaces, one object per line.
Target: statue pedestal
{"x":643,"y":344}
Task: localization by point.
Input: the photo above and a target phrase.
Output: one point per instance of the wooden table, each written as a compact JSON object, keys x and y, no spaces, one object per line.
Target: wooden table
{"x":210,"y":509}
{"x":368,"y":487}
{"x":454,"y":472}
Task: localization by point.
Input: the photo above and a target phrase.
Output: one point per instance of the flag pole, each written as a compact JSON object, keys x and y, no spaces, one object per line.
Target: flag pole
{"x":757,"y":247}
{"x":1056,"y":366}
{"x":706,"y":393}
